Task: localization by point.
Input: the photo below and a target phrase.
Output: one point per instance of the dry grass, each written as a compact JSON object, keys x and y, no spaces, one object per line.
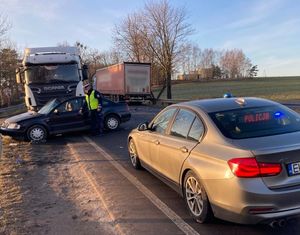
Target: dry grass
{"x":276,"y":88}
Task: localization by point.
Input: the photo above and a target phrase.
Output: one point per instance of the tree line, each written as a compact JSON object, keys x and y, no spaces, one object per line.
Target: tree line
{"x":9,"y":92}
{"x":215,"y":64}
{"x":158,"y":33}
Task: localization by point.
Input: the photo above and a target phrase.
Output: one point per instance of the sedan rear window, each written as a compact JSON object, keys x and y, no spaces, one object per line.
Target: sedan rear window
{"x":256,"y":122}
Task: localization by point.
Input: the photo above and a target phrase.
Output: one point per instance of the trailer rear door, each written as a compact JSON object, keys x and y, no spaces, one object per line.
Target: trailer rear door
{"x":137,"y":78}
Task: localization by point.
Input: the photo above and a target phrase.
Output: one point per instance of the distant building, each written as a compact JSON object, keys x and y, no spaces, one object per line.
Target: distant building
{"x":203,"y":73}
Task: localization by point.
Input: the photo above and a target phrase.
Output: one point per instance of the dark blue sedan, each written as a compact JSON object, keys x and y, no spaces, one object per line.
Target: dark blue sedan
{"x":62,"y":116}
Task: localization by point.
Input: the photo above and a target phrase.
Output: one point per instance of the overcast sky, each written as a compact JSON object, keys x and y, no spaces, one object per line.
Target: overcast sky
{"x":268,"y":31}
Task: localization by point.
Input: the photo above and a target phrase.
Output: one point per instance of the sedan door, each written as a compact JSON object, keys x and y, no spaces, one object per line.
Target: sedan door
{"x":175,"y":147}
{"x":148,"y":141}
{"x":66,"y":117}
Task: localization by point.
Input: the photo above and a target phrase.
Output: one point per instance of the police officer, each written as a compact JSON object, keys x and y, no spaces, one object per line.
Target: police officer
{"x":93,"y":101}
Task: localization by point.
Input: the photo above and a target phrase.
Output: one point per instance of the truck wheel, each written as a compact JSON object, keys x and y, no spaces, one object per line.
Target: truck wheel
{"x":112,"y":122}
{"x":37,"y":133}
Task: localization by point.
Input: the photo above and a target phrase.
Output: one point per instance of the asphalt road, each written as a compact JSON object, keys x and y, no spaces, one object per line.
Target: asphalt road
{"x":138,"y":202}
{"x":133,"y":211}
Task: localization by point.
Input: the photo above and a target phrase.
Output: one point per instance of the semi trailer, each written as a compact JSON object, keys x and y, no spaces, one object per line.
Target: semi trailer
{"x":125,"y":81}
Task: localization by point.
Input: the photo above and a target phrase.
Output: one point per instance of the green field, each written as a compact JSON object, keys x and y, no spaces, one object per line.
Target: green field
{"x":275,"y":88}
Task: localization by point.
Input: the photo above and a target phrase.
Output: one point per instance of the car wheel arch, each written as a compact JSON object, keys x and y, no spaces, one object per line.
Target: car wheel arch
{"x":182,"y":180}
{"x":39,"y":124}
{"x":112,"y":114}
{"x":184,"y":172}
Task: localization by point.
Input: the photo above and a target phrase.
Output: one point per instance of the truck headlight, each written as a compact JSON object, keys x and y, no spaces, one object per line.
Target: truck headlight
{"x":15,"y":126}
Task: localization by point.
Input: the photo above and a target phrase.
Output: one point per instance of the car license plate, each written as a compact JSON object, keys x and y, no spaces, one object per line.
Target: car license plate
{"x":293,"y":168}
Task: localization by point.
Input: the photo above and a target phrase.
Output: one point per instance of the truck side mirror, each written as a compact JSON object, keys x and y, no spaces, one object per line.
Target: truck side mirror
{"x":18,"y":75}
{"x":85,"y":75}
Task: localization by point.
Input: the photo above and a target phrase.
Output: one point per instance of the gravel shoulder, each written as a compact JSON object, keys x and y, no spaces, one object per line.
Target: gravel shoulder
{"x":43,"y":191}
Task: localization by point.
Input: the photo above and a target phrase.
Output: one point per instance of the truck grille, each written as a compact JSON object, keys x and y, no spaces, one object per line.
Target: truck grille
{"x":42,"y":98}
{"x":45,"y":92}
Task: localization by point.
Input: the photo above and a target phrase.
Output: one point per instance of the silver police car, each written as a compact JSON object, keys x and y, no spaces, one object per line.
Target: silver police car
{"x":237,"y":159}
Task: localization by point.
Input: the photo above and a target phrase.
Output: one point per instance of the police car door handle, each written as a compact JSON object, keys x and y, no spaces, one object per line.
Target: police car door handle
{"x":184,"y":149}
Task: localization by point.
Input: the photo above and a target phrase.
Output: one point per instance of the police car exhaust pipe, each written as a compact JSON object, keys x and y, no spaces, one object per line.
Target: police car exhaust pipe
{"x":274,"y":224}
{"x":282,"y":223}
{"x":278,"y":223}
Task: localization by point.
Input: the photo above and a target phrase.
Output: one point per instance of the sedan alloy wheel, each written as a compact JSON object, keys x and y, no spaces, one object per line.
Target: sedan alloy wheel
{"x":36,"y":133}
{"x":196,"y":198}
{"x":112,"y":122}
{"x":133,"y":155}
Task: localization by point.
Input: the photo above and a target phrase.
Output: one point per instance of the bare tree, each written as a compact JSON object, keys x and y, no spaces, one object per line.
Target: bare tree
{"x":235,"y":64}
{"x":127,"y":36}
{"x":158,"y":31}
{"x":96,"y":59}
{"x":63,"y":44}
{"x":5,"y":25}
{"x":208,"y":58}
{"x":165,"y":30}
{"x":9,"y":92}
{"x":189,"y":58}
{"x":83,"y":51}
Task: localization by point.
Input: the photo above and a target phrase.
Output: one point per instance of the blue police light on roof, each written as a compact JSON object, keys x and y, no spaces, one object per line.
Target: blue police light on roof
{"x":227,"y":95}
{"x":278,"y":114}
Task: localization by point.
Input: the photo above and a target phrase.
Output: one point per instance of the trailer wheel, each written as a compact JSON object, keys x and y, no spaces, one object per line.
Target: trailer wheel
{"x":112,"y":122}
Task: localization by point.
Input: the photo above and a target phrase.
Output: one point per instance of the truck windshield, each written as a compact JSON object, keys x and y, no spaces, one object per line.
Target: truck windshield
{"x":52,"y":73}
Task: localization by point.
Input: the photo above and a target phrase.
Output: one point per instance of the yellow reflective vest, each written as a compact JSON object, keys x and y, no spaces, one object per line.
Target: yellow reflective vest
{"x":91,"y":101}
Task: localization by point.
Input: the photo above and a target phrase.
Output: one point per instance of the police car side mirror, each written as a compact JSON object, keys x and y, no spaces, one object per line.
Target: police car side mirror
{"x":143,"y":126}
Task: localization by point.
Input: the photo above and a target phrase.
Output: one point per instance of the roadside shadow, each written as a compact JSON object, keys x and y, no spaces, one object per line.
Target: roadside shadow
{"x":39,"y":195}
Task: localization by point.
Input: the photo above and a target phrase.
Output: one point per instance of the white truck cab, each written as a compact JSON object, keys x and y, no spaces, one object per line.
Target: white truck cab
{"x":51,"y":72}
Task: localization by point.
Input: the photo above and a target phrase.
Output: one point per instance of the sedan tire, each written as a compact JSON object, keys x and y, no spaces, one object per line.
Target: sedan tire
{"x":135,"y":161}
{"x":112,"y":122}
{"x":37,"y":133}
{"x":196,"y":198}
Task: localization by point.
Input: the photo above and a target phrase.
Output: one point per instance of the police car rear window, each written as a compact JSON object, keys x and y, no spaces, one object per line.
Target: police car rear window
{"x":256,"y":122}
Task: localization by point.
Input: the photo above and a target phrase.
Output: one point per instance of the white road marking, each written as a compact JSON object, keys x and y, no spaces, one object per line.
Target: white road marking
{"x":181,"y":224}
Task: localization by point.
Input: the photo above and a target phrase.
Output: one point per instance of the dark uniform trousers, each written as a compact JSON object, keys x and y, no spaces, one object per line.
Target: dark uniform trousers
{"x":97,"y":121}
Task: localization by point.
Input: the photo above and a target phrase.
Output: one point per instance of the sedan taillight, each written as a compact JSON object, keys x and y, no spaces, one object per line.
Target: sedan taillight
{"x":249,"y":168}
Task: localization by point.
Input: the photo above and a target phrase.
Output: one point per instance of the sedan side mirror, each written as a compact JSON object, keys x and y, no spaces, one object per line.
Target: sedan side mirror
{"x":56,"y":111}
{"x":143,"y":126}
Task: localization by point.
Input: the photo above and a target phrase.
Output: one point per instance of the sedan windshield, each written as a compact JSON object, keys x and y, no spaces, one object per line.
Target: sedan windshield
{"x":256,"y":122}
{"x":47,"y":108}
{"x":52,"y":73}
